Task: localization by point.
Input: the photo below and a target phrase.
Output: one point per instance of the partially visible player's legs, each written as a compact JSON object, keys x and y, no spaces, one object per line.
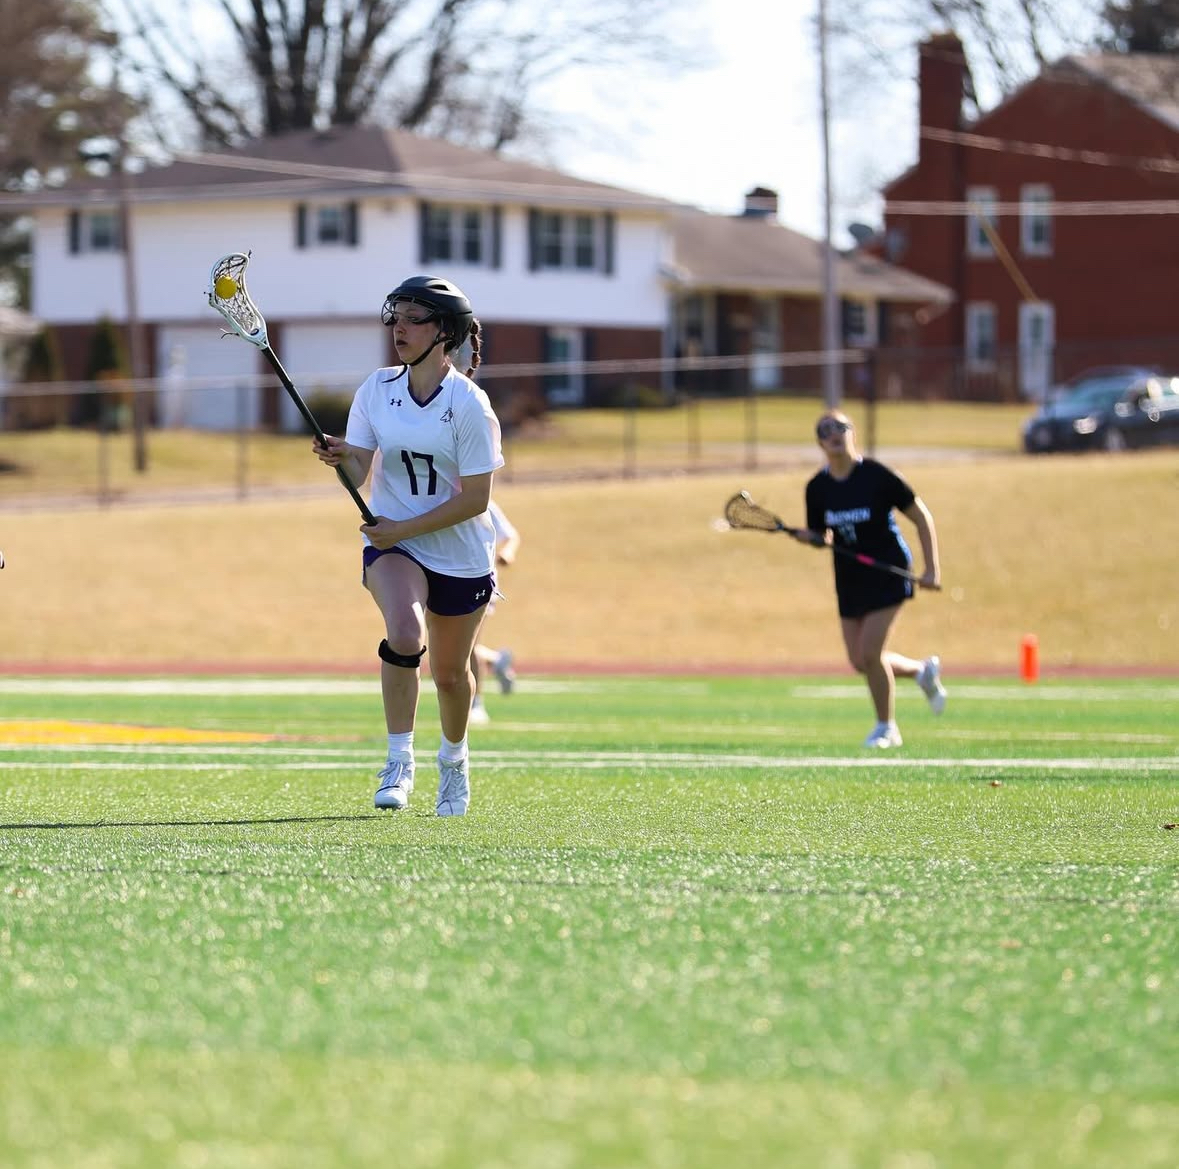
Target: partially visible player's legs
{"x":927,"y":674}
{"x":902,"y":666}
{"x":399,"y":587}
{"x":865,"y":639}
{"x":452,"y":642}
{"x":479,"y":715}
{"x":499,"y":662}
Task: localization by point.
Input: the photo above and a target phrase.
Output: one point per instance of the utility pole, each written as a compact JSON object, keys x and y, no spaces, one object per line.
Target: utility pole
{"x":131,"y":308}
{"x":832,"y":371}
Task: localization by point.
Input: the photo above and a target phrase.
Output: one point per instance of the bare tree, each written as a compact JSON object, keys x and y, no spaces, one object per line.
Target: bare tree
{"x":1007,"y":41}
{"x":1141,"y":26}
{"x":873,"y":45}
{"x":51,"y":102}
{"x":468,"y":70}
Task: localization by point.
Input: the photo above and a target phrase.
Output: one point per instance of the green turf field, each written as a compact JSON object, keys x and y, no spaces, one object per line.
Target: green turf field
{"x":687,"y":923}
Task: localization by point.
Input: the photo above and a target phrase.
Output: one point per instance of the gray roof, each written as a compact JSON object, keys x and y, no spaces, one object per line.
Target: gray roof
{"x":751,"y":253}
{"x":350,"y":159}
{"x":1149,"y":80}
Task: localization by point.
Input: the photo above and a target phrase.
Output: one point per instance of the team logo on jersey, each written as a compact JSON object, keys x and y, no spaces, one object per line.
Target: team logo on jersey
{"x":448,"y":415}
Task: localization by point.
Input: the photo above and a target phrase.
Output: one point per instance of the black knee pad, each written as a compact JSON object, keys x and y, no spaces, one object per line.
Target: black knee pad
{"x":409,"y":661}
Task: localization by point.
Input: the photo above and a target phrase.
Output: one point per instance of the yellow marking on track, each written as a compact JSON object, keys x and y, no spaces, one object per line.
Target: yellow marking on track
{"x":42,"y":731}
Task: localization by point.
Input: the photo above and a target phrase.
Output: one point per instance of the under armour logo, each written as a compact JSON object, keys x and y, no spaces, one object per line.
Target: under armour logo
{"x":394,"y":401}
{"x":480,"y":594}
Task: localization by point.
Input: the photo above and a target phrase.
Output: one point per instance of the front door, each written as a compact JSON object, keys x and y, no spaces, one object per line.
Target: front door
{"x":766,"y":374}
{"x":1037,"y":338}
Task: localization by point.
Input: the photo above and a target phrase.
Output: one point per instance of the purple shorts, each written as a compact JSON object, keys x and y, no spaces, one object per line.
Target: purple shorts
{"x":447,"y":596}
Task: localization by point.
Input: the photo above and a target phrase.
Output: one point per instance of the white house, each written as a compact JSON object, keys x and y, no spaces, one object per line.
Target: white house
{"x":559,"y":270}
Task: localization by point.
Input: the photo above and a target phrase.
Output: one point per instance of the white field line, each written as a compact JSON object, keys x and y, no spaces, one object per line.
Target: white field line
{"x":597,"y":761}
{"x":1041,"y":692}
{"x":353,"y":687}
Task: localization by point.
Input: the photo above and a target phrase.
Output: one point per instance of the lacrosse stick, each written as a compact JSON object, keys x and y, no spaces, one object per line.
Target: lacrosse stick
{"x":742,"y":512}
{"x":228,"y":295}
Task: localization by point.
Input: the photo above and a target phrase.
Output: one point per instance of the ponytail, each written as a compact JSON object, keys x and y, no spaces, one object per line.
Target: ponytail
{"x":475,"y":337}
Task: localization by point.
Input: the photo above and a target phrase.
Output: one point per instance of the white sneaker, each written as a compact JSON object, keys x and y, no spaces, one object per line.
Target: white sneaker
{"x":478,"y":716}
{"x":396,"y":783}
{"x":454,"y":788}
{"x":504,"y":672}
{"x":930,"y":681}
{"x":883,"y":736}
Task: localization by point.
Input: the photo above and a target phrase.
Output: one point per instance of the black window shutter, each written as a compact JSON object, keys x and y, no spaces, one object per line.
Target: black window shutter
{"x":75,"y":233}
{"x":353,"y":224}
{"x":423,"y":230}
{"x":533,"y":239}
{"x":497,"y":234}
{"x":301,"y":225}
{"x":608,"y":229}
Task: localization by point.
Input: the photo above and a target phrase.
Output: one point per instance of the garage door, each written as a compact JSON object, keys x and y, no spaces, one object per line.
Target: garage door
{"x":205,"y":379}
{"x":328,"y":359}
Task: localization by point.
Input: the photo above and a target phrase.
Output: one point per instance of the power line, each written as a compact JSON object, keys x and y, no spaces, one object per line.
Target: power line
{"x":1067,"y":208}
{"x":1043,"y":150}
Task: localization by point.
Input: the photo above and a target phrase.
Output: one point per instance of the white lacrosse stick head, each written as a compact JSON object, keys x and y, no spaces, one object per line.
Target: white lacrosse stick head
{"x":228,"y":295}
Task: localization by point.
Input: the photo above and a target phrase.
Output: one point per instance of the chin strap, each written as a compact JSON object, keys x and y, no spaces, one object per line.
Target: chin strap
{"x":437,"y":341}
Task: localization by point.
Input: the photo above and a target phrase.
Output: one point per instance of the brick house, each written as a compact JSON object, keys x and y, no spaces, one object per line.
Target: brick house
{"x":1049,"y":217}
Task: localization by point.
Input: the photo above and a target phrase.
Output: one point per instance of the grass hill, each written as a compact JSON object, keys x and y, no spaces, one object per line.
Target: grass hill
{"x":620,"y":574}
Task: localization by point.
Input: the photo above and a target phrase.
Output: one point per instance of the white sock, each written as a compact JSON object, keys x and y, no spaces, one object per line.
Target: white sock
{"x":401,"y":746}
{"x":453,"y":752}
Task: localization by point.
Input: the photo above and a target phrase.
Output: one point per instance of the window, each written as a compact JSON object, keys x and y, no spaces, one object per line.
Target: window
{"x":99,"y":230}
{"x":1035,"y":220}
{"x":859,"y":322}
{"x":981,"y":209}
{"x":327,"y":225}
{"x":577,"y":241}
{"x":981,"y":336}
{"x":455,"y":234}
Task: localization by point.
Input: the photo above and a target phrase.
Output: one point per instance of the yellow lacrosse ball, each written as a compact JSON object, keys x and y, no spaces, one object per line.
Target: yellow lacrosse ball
{"x":225,"y":287}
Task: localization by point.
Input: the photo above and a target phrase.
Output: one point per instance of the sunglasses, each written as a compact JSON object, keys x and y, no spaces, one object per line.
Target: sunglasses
{"x":831,"y":427}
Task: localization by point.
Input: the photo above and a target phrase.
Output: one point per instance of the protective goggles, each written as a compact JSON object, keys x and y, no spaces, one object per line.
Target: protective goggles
{"x":830,"y":427}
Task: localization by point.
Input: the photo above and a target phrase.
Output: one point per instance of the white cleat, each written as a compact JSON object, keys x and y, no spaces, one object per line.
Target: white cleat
{"x":883,"y":736}
{"x":930,"y":681}
{"x":396,"y":784}
{"x":478,"y":716}
{"x":504,"y":672}
{"x":454,"y":788}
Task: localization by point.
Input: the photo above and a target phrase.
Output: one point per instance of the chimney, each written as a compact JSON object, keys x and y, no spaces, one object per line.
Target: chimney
{"x":943,"y":79}
{"x":761,"y":203}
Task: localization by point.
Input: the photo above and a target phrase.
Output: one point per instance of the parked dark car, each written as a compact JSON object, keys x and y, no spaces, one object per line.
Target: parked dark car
{"x":1108,"y":409}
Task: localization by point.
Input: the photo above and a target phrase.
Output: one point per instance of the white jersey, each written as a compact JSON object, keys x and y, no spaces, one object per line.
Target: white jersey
{"x":423,"y":450}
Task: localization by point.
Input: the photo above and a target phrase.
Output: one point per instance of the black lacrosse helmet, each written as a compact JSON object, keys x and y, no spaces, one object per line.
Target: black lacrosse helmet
{"x":444,"y":300}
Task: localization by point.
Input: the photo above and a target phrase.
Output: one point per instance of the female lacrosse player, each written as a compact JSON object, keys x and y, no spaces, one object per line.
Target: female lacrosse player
{"x":429,"y":560}
{"x":483,"y":657}
{"x":850,"y":502}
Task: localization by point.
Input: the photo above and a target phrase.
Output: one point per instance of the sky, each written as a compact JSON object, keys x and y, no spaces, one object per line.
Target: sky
{"x":753,"y":119}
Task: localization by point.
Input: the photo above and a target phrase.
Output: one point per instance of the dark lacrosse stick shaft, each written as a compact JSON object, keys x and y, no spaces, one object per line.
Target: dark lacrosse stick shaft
{"x":317,"y":430}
